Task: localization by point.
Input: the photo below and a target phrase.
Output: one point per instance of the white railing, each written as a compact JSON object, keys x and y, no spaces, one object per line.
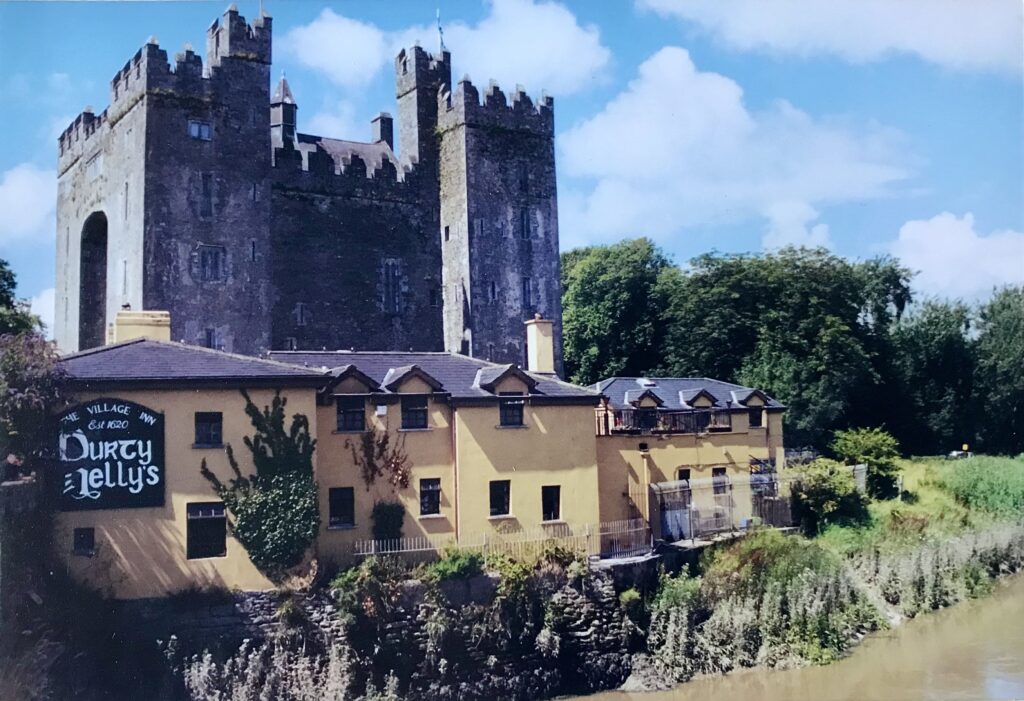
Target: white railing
{"x":609,"y":539}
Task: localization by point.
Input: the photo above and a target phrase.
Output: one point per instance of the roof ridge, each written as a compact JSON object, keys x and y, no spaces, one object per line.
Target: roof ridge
{"x":107,"y":346}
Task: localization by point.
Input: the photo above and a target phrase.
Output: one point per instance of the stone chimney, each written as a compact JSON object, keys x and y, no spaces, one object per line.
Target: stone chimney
{"x":384,"y":129}
{"x":128,"y":325}
{"x":540,"y":345}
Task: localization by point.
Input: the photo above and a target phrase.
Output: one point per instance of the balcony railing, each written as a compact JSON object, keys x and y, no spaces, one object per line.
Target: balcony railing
{"x":657,"y":421}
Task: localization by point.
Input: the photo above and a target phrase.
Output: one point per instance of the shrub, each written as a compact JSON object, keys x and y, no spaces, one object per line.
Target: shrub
{"x":275,"y":513}
{"x":878,"y":450}
{"x":388,"y":517}
{"x":825,"y":493}
{"x":632,"y":603}
{"x":456,"y":564}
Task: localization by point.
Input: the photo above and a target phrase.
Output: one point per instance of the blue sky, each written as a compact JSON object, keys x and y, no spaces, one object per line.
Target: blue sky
{"x":868,"y":126}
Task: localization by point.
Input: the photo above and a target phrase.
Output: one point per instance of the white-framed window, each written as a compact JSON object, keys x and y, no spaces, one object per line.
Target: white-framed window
{"x":199,"y":130}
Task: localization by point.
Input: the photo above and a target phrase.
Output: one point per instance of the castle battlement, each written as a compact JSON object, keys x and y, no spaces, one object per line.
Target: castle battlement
{"x":418,"y":67}
{"x":464,"y":107}
{"x":317,"y":169}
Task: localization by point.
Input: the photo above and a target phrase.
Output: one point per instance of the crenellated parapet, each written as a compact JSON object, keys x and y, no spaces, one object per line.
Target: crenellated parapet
{"x":150,"y":72}
{"x":340,"y":170}
{"x":463,"y":106}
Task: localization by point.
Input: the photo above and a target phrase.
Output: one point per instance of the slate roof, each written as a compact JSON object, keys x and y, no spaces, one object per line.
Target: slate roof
{"x":144,"y":360}
{"x":458,"y":374}
{"x":674,"y":391}
{"x":373,"y":155}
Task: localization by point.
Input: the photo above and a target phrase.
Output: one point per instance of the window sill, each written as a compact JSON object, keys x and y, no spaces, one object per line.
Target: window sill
{"x":350,"y":432}
{"x":430,"y":517}
{"x":415,"y":430}
{"x":346,"y":527}
{"x":512,"y":426}
{"x":207,"y":446}
{"x":554,"y":522}
{"x":501,"y":517}
{"x":207,"y":557}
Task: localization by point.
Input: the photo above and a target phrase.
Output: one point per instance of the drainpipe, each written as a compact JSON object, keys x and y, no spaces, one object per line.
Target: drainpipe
{"x":455,"y":468}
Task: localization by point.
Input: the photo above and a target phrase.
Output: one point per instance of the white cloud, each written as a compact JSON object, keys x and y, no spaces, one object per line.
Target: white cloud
{"x":28,"y":198}
{"x":953,"y":259}
{"x":958,"y":34}
{"x":347,"y":51}
{"x":44,"y":306}
{"x":338,"y":121}
{"x":539,"y":44}
{"x":678,"y":148}
{"x":790,"y":224}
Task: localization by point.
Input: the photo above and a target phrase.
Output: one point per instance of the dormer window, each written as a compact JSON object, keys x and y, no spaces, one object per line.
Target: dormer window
{"x":511,"y":406}
{"x":756,"y":417}
{"x":199,"y":130}
{"x":414,"y":411}
{"x":351,"y":413}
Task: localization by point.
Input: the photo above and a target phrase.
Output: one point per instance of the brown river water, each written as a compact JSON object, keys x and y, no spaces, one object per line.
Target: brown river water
{"x":974,"y":650}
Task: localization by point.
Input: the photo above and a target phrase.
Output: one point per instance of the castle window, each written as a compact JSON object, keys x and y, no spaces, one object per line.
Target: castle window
{"x":199,"y":130}
{"x":291,"y":343}
{"x":210,"y":338}
{"x":527,"y":293}
{"x":252,"y":249}
{"x":492,"y":291}
{"x":447,"y":233}
{"x":255,"y":193}
{"x":211,"y":263}
{"x":490,"y":351}
{"x":478,"y":225}
{"x":391,"y":282}
{"x":524,"y":224}
{"x":206,"y":203}
{"x":301,"y":314}
{"x":435,"y":297}
{"x":94,"y":166}
{"x":126,"y":199}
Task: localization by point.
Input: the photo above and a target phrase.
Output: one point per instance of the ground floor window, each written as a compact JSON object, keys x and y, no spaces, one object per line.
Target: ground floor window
{"x":719,"y":480}
{"x":342,"y":507}
{"x":84,"y":542}
{"x":551,"y":502}
{"x":207,"y":530}
{"x":430,"y":497}
{"x":500,"y":493}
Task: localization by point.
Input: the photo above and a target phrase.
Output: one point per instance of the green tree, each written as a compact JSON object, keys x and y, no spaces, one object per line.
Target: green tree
{"x":934,"y":363}
{"x":15,"y":317}
{"x":1000,"y":372}
{"x":32,"y":388}
{"x":614,"y":301}
{"x":824,"y":494}
{"x":876,"y":449}
{"x":275,"y":512}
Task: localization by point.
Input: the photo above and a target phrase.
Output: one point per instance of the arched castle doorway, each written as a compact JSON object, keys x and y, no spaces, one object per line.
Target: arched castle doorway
{"x":92,"y":282}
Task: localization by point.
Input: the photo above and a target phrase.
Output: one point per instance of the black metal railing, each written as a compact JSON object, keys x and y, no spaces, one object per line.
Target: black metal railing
{"x":656,"y":421}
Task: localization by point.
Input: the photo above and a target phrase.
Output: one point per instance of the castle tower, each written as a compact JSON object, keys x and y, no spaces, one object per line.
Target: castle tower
{"x":283,"y":113}
{"x":162,"y":200}
{"x":499,"y":220}
{"x":419,"y":77}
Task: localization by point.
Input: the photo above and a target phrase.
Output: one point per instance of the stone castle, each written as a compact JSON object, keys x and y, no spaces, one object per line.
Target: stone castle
{"x":194,"y":192}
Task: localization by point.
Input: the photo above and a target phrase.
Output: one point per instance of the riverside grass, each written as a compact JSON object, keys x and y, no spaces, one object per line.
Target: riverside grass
{"x":783,"y":601}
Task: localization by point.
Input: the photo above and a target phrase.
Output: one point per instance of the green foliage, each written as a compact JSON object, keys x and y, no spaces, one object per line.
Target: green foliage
{"x":15,"y":316}
{"x":824,"y":494}
{"x":275,"y":513}
{"x":632,"y":603}
{"x":876,"y":449}
{"x":32,"y":389}
{"x":388,"y":517}
{"x":1000,"y":372}
{"x":370,"y":591}
{"x":615,"y":299}
{"x":934,"y":362}
{"x":456,"y":563}
{"x":994,"y":485}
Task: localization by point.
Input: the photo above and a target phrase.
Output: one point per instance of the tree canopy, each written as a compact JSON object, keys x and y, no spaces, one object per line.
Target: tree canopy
{"x":838,"y":341}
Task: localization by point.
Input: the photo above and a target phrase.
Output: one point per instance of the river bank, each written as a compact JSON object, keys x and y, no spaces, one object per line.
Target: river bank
{"x":968,"y":651}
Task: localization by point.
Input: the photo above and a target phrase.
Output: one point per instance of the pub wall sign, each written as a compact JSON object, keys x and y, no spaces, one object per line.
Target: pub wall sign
{"x":111,"y":453}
